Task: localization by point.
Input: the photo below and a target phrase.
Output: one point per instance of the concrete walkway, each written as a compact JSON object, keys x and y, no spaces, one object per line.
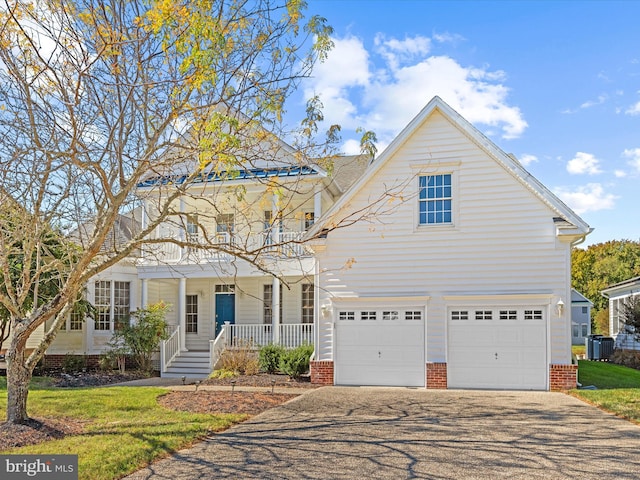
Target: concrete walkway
{"x":379,"y":433}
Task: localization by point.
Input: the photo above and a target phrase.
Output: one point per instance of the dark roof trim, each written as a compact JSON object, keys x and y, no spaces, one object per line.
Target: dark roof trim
{"x":230,"y":175}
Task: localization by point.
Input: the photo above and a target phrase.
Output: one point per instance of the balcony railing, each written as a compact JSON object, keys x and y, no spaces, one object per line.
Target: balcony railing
{"x":286,"y":247}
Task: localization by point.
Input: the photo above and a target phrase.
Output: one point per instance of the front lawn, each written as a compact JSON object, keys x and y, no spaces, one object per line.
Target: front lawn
{"x":125,"y":427}
{"x":618,"y":388}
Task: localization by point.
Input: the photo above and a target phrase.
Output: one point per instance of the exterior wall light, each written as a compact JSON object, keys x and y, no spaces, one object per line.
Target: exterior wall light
{"x":560,"y":307}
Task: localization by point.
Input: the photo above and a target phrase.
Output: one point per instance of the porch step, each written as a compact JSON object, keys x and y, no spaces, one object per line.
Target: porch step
{"x":189,"y":364}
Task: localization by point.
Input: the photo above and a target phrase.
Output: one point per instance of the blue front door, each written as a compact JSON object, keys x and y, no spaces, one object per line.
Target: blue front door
{"x":225,"y":310}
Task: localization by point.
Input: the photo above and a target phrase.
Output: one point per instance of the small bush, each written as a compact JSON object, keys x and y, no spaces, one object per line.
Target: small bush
{"x":222,"y":374}
{"x":73,"y":363}
{"x":243,"y":359}
{"x":626,"y":358}
{"x":269,"y":357}
{"x":296,"y":362}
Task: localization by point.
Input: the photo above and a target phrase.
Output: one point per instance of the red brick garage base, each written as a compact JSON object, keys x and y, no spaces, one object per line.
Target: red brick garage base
{"x":436,"y":375}
{"x":562,"y":377}
{"x":321,"y":372}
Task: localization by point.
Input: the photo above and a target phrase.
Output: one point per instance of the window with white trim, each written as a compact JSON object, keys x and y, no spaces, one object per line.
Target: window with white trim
{"x":576,"y":330}
{"x":584,"y":329}
{"x":191,"y":323}
{"x":225,"y":288}
{"x":484,"y":315}
{"x":434,"y":199}
{"x":343,"y":315}
{"x":113,"y":304}
{"x":225,"y":227}
{"x":508,"y":314}
{"x":76,"y":319}
{"x":390,"y":315}
{"x":267,"y":304}
{"x":459,"y":315}
{"x":309,"y":219}
{"x":192,"y":228}
{"x":368,"y":315}
{"x":533,"y":314}
{"x":307,"y":302}
{"x":413,"y":315}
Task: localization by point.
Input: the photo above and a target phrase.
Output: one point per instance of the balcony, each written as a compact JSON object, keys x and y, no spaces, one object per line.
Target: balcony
{"x":262,"y":243}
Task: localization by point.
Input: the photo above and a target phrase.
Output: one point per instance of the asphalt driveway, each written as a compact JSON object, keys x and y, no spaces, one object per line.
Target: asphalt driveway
{"x":372,"y":433}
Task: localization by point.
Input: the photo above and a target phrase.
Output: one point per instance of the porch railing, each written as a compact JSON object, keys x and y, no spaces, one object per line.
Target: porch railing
{"x":172,"y":253}
{"x":169,"y":349}
{"x":216,"y":348}
{"x":290,"y":335}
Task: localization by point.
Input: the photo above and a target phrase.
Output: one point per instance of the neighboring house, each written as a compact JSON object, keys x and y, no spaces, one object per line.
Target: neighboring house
{"x":617,"y":295}
{"x":580,"y":317}
{"x":463,"y":286}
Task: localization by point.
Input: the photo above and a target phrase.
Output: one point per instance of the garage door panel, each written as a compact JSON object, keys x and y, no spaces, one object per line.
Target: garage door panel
{"x":380,"y":352}
{"x":485,"y":351}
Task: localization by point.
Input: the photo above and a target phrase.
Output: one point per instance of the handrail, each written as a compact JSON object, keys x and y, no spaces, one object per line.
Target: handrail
{"x":216,"y":347}
{"x":170,"y":348}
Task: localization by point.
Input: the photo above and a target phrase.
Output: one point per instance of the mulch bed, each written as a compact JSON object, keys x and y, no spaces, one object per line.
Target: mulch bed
{"x":39,"y":430}
{"x":262,"y":380}
{"x":250,"y":403}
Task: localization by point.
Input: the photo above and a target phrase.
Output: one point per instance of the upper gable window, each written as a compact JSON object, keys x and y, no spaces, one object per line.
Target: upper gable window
{"x":434,"y":198}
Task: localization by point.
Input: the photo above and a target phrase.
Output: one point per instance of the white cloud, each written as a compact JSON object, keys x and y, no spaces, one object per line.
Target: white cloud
{"x":584,"y":163}
{"x":527,"y":159}
{"x":620,"y":173}
{"x":396,"y":51}
{"x":633,"y":109}
{"x":386,"y":95}
{"x":633,"y":154}
{"x":588,"y":198}
{"x":592,"y":103}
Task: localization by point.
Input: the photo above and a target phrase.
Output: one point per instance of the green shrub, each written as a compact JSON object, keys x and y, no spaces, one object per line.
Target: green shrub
{"x":241,"y":359}
{"x":269,"y":357}
{"x":296,"y":362}
{"x":73,"y":363}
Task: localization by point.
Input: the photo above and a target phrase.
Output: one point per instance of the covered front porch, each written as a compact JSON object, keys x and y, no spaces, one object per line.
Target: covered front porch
{"x":211,"y":314}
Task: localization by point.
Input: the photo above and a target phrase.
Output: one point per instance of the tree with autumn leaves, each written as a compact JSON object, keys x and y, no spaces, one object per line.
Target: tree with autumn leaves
{"x":600,"y":265}
{"x":99,"y":96}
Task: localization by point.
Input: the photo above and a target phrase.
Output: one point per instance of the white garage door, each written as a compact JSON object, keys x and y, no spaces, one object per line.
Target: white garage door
{"x":502,"y":347}
{"x":380,"y":347}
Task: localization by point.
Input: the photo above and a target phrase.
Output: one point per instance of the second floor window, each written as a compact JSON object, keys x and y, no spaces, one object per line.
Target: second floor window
{"x":192,"y":229}
{"x":434,"y":197}
{"x":309,"y":219}
{"x":225,"y":227}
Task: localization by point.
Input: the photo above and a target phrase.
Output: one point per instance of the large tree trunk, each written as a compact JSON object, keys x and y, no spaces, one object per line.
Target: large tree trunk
{"x":18,"y":378}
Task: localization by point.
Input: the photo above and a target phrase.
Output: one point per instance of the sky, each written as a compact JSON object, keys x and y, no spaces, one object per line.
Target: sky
{"x":556,"y":83}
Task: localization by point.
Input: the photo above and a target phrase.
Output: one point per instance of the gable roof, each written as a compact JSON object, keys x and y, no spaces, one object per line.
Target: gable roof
{"x":569,"y":222}
{"x":626,"y":284}
{"x":578,"y":299}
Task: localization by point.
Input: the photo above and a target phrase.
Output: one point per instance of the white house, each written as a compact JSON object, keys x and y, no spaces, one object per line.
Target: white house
{"x":463,"y":285}
{"x":450,"y":267}
{"x":618,"y":294}
{"x":580,"y":317}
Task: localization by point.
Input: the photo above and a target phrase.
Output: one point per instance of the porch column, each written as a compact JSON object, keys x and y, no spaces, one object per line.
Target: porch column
{"x":317,"y":202}
{"x":182,"y":234}
{"x":275,"y":219}
{"x":182,"y":312}
{"x":144,"y":293}
{"x":275,"y":311}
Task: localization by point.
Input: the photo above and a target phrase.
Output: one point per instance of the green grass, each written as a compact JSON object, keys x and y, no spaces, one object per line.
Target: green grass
{"x":125,"y":427}
{"x":618,"y":388}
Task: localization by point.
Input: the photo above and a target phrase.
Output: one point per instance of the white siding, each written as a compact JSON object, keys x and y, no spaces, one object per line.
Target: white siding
{"x":502,"y":241}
